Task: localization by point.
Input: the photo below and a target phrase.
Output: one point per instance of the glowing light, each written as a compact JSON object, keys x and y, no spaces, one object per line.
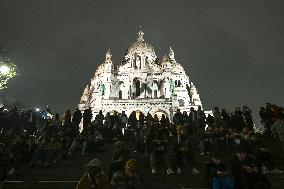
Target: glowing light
{"x":4,"y":70}
{"x":37,"y":109}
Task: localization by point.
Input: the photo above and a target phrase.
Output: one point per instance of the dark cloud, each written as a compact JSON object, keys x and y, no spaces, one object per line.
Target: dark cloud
{"x":232,"y":50}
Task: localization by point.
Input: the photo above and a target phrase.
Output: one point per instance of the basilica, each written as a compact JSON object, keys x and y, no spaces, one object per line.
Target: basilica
{"x":141,"y":82}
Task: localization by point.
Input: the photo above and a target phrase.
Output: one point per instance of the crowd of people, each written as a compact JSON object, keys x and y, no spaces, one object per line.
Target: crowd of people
{"x":44,"y":139}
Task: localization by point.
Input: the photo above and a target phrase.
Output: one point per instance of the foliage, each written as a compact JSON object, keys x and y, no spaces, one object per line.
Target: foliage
{"x":9,"y":65}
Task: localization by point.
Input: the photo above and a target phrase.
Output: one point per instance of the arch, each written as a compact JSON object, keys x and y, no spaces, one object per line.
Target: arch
{"x":160,"y":112}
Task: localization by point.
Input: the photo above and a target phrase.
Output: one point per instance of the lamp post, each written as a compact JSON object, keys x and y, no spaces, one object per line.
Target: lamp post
{"x":7,"y":71}
{"x":4,"y":69}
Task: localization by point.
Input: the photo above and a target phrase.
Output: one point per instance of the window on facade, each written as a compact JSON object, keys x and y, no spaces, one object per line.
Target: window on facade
{"x":120,"y":94}
{"x":155,"y":94}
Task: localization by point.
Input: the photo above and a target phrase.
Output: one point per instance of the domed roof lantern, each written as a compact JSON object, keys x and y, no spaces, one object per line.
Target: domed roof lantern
{"x":140,"y":34}
{"x":108,"y":55}
{"x":141,"y":48}
{"x":172,"y":55}
{"x":165,"y":58}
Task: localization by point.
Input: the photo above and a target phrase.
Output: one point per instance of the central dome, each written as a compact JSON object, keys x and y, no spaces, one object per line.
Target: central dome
{"x":142,"y":48}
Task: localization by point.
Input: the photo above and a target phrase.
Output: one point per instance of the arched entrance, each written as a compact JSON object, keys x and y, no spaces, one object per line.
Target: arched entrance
{"x":120,"y":94}
{"x":160,"y":112}
{"x":136,"y":87}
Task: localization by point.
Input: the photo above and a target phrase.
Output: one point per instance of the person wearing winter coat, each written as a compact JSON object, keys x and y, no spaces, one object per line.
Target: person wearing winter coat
{"x":94,"y":177}
{"x":184,"y":153}
{"x":246,"y":171}
{"x":127,"y":178}
{"x":217,"y":173}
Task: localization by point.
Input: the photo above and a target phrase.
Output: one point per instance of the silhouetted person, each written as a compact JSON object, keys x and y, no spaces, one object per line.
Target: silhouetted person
{"x":87,"y":117}
{"x":248,"y":118}
{"x":76,"y":119}
{"x":178,"y":118}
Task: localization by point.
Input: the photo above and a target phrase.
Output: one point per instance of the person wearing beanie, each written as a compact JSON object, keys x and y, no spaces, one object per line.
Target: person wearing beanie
{"x":94,"y":177}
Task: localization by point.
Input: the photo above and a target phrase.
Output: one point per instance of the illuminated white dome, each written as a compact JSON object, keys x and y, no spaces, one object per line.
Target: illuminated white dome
{"x":142,"y":48}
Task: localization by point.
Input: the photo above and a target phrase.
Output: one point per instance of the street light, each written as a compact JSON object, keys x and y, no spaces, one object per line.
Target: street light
{"x":4,"y":70}
{"x":8,"y":70}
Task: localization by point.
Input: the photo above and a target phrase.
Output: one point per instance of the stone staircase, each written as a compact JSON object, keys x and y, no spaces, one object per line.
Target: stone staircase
{"x":67,"y":173}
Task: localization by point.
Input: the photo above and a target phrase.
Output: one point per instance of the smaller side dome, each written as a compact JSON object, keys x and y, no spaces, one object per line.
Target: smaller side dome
{"x":177,"y":68}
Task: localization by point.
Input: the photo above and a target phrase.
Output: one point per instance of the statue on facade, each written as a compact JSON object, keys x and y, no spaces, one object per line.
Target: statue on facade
{"x":172,"y":86}
{"x":102,"y":88}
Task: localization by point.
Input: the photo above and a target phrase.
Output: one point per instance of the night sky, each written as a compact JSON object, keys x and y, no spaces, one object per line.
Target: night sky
{"x":231,"y":50}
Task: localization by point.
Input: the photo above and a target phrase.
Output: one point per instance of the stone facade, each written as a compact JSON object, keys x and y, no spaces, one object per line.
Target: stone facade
{"x":140,"y":83}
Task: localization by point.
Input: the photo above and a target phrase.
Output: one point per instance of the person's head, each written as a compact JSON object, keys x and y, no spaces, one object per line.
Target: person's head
{"x":216,"y":158}
{"x":130,"y":165}
{"x":119,"y":145}
{"x":94,"y":166}
{"x":180,"y":130}
{"x":216,"y":109}
{"x":241,"y":153}
{"x":246,"y":131}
